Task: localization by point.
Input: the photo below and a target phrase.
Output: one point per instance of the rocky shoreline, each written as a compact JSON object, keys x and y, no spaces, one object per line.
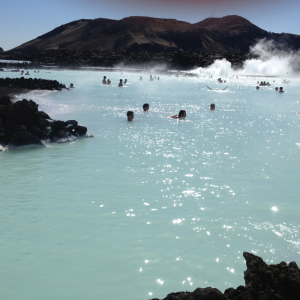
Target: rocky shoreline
{"x":31,"y":84}
{"x":12,"y":92}
{"x":262,"y":282}
{"x":179,"y":60}
{"x":23,"y":126}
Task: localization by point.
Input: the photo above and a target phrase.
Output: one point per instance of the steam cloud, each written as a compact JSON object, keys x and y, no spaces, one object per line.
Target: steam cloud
{"x":274,"y":60}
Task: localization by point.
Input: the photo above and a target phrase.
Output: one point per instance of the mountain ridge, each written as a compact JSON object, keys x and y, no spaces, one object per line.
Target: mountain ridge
{"x":230,"y":34}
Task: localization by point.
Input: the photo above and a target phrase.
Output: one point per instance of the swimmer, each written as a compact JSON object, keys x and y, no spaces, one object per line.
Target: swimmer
{"x":212,"y":106}
{"x":108,"y":82}
{"x":146,"y":107}
{"x":130,"y":115}
{"x":181,"y":115}
{"x":125,"y":81}
{"x":276,"y":89}
{"x":71,"y":85}
{"x":151,"y":78}
{"x":120,"y":83}
{"x":257,"y":87}
{"x":104,"y":80}
{"x":141,"y":78}
{"x":281,"y":90}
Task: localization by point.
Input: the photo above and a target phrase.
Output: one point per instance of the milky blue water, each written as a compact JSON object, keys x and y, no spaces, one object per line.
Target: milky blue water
{"x":157,"y":205}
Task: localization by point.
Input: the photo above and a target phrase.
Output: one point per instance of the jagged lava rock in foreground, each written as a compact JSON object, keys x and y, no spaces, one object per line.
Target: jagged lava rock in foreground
{"x":22,"y":125}
{"x":262,"y":282}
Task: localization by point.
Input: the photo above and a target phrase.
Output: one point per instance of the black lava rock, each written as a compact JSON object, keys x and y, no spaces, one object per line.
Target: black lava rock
{"x":23,"y":140}
{"x":263,"y":282}
{"x":32,"y":83}
{"x":22,"y":125}
{"x":62,"y":136}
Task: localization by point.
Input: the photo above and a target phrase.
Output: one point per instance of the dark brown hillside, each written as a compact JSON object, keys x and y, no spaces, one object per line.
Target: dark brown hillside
{"x":231,"y":34}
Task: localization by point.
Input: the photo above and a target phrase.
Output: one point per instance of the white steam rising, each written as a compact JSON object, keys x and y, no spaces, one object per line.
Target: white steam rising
{"x":273,"y":60}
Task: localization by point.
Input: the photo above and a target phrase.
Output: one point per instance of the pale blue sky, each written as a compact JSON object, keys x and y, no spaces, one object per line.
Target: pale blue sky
{"x":21,"y":21}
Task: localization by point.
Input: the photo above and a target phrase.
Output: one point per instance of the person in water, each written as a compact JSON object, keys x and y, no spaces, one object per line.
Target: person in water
{"x":257,"y":87}
{"x":281,"y":90}
{"x":212,"y":106}
{"x":108,"y":82}
{"x":130,"y":115}
{"x":104,"y":80}
{"x":141,"y":78}
{"x":125,"y":81}
{"x":120,"y":83}
{"x":71,"y":85}
{"x":181,"y":115}
{"x":276,"y":89}
{"x":146,"y":107}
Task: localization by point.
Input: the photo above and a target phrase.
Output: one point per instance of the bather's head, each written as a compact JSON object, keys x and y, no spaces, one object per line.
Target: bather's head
{"x":212,"y":106}
{"x":130,"y":115}
{"x":182,"y":114}
{"x":146,"y":107}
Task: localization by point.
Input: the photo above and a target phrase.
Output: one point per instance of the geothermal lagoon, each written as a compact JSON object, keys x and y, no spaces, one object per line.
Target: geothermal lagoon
{"x":157,"y":205}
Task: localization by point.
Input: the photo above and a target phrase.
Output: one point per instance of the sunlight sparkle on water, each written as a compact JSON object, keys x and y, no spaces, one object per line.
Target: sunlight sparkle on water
{"x":211,"y":186}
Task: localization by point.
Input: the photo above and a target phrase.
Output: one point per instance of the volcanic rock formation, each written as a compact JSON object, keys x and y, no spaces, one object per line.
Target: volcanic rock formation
{"x":263,"y":282}
{"x":31,"y":84}
{"x":22,"y":125}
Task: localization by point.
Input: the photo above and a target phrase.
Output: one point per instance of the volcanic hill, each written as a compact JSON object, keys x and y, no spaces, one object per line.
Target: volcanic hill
{"x":230,"y":34}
